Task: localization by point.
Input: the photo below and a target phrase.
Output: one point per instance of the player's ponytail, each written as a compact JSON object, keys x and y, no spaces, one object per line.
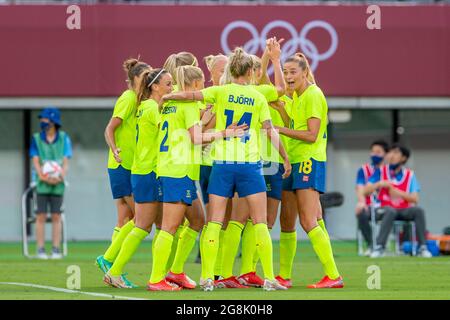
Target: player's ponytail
{"x":257,"y":63}
{"x":179,"y":59}
{"x":134,"y":68}
{"x":240,"y":62}
{"x":211,"y":60}
{"x":186,"y":76}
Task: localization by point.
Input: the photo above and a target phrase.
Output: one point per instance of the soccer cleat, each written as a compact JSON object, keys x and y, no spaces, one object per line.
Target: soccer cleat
{"x":377,"y":253}
{"x":117,"y":281}
{"x":103,"y":264}
{"x":181,"y":280}
{"x":163,"y":285}
{"x":207,"y":285}
{"x":230,"y":283}
{"x":272,"y":285}
{"x":327,"y":283}
{"x":284,"y":282}
{"x":251,"y":279}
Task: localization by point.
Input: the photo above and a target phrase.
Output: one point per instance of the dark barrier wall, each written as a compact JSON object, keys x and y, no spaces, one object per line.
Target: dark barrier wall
{"x":408,"y":56}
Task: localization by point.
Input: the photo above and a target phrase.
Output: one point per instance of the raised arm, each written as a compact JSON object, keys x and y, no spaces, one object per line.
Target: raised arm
{"x":274,"y":52}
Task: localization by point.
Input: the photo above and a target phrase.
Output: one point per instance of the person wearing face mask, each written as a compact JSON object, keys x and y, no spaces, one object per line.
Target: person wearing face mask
{"x":398,"y":194}
{"x":50,"y":144}
{"x":378,"y":150}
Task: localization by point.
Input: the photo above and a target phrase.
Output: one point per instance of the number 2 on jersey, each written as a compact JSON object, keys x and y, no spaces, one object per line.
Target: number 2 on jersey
{"x":163,"y":147}
{"x":246,"y":118}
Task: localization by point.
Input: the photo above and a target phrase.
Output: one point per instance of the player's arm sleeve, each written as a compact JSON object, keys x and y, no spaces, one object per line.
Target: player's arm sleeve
{"x":124,"y":106}
{"x":33,"y":148}
{"x":415,"y":185}
{"x":210,"y":94}
{"x":268,"y":91}
{"x":67,"y":147}
{"x":375,"y":177}
{"x":264,"y":112}
{"x":360,"y":179}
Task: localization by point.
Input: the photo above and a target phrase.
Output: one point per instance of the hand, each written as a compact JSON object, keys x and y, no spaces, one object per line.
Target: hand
{"x":360,"y":206}
{"x":395,"y":193}
{"x":44,"y":178}
{"x":207,"y":115}
{"x":274,"y":48}
{"x":287,"y":169}
{"x":277,"y":105}
{"x":384,"y":184}
{"x":233,"y":130}
{"x":116,"y":155}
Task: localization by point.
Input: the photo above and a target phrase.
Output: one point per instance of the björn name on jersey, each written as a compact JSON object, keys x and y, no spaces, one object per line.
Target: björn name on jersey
{"x":241,"y":100}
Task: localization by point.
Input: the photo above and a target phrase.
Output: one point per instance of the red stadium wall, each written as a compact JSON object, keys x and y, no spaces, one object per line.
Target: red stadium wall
{"x":409,"y":56}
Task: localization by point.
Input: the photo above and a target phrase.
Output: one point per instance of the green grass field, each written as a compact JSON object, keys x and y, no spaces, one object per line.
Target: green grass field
{"x":402,"y":277}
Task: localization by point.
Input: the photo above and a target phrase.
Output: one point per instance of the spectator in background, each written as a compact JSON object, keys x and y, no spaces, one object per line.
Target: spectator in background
{"x":398,"y":194}
{"x":50,"y":152}
{"x":378,"y":150}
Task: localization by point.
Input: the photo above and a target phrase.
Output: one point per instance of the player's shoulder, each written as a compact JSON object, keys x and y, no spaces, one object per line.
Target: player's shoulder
{"x":128,"y":95}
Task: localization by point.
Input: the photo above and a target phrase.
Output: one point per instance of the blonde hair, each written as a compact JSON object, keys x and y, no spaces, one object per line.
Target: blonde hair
{"x":134,"y":68}
{"x":226,"y":77}
{"x":303,"y":63}
{"x":179,"y":59}
{"x":257,"y":63}
{"x":186,"y":76}
{"x":211,"y":60}
{"x":240,"y":62}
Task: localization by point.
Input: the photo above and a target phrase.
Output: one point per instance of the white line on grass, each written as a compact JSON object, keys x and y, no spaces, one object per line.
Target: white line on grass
{"x":95,"y":294}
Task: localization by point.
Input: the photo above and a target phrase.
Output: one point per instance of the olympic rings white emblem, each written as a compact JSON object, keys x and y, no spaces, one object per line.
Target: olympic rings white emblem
{"x":289,"y":48}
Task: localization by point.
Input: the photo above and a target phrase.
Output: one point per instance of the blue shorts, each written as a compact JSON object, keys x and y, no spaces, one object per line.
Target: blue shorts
{"x":274,"y":180}
{"x":120,"y":181}
{"x":205,"y":173}
{"x":178,"y":190}
{"x":244,"y":178}
{"x":309,"y":174}
{"x":146,"y":187}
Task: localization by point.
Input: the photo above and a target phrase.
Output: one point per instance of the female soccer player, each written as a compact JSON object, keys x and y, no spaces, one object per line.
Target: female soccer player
{"x":145,"y":184}
{"x":236,"y":162}
{"x":180,"y":129}
{"x":273,"y":177}
{"x":309,"y":140}
{"x":120,"y":135}
{"x":171,"y":64}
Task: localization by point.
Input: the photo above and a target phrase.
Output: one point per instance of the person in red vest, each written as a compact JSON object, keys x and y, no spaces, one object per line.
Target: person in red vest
{"x":398,"y":194}
{"x":378,"y":150}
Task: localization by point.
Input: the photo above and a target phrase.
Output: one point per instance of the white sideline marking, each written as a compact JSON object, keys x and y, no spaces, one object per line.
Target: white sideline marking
{"x":95,"y":294}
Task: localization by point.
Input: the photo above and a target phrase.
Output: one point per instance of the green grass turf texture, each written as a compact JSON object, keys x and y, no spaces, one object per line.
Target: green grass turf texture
{"x":402,"y":277}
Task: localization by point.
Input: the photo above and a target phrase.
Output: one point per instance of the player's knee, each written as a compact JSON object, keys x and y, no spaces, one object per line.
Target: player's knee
{"x":41,"y":218}
{"x":56,"y":218}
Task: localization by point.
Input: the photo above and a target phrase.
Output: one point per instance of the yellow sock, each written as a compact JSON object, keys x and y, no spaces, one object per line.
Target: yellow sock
{"x":161,"y":254}
{"x":154,"y":238}
{"x":115,"y":233}
{"x":219,"y":260}
{"x":200,"y":244}
{"x":173,"y":250}
{"x":129,"y":247}
{"x":321,"y":223}
{"x":185,"y":244}
{"x":231,"y":240}
{"x":210,"y":248}
{"x":322,"y":247}
{"x":264,"y":249}
{"x":248,"y":248}
{"x":288,"y":247}
{"x":114,"y":248}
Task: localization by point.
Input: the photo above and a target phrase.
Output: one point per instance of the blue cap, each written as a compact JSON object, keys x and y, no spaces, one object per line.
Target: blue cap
{"x":53,"y":114}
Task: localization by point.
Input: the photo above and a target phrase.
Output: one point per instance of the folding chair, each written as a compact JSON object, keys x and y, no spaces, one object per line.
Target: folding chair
{"x":29,"y":204}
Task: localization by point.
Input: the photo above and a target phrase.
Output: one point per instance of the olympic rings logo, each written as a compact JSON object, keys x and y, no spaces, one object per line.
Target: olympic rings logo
{"x":290,"y":47}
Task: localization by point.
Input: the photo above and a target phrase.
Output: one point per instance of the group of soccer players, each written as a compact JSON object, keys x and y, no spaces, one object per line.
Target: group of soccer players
{"x":218,"y":162}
